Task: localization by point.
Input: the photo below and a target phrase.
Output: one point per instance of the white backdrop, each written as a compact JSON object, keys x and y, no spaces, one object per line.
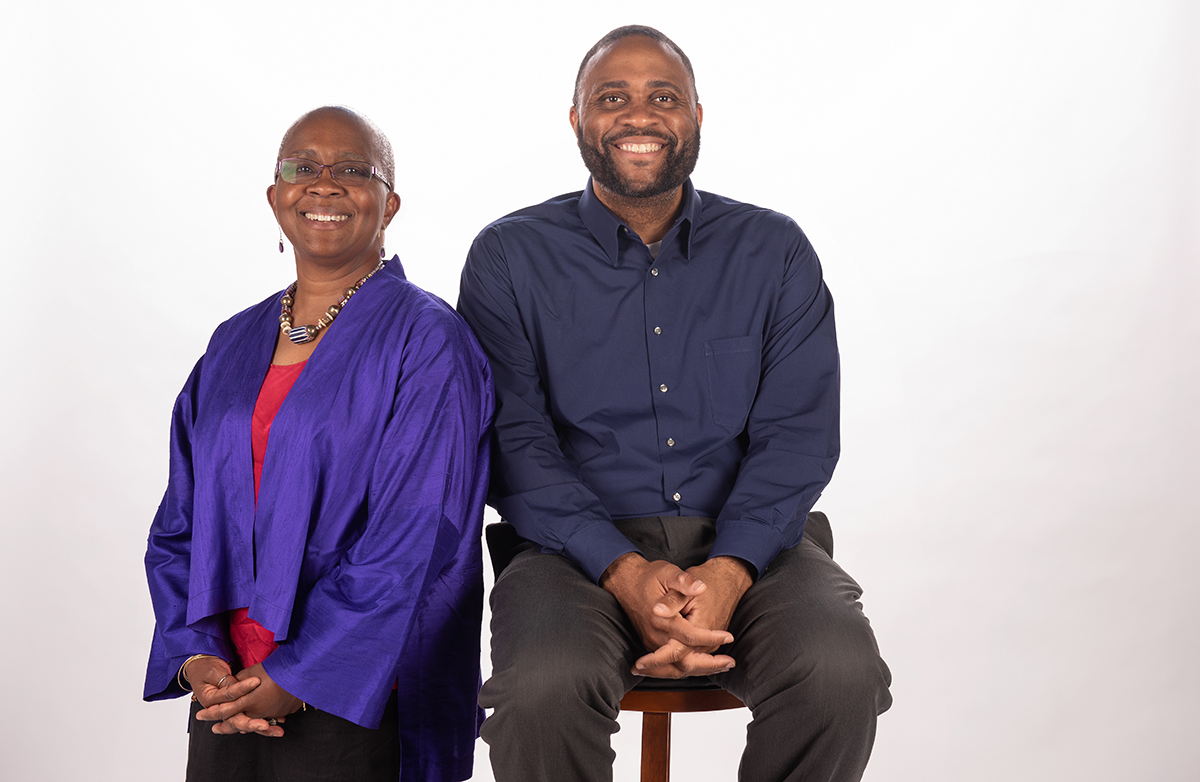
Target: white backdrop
{"x":1004,"y":197}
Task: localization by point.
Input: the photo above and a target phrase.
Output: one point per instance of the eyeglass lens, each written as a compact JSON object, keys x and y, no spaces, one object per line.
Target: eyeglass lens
{"x":299,"y":171}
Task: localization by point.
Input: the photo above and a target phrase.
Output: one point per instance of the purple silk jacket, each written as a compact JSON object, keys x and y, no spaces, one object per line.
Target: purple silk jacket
{"x":363,"y":557}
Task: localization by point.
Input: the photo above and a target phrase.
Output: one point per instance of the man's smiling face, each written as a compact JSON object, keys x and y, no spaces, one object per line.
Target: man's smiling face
{"x":637,"y":119}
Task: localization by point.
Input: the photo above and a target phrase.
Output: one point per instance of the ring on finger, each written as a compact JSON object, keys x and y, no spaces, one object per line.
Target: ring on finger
{"x":223,"y":678}
{"x":272,"y":722}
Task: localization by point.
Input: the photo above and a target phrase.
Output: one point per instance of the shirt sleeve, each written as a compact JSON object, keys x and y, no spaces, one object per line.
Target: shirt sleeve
{"x":793,"y":426}
{"x":168,"y":563}
{"x":417,"y":562}
{"x":534,"y":487}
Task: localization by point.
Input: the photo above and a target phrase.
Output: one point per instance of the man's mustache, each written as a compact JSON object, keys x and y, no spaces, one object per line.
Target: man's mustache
{"x":629,"y":132}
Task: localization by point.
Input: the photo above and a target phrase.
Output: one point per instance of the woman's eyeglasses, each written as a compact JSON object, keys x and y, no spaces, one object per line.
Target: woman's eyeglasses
{"x":352,"y":173}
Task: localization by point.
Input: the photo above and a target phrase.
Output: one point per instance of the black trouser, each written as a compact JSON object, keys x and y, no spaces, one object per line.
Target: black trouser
{"x":562,"y":649}
{"x":316,"y":747}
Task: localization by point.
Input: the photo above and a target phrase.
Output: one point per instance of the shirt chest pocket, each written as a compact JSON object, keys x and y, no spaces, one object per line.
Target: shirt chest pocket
{"x":734,"y":364}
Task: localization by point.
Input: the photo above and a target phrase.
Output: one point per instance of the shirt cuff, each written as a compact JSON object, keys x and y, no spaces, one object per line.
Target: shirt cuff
{"x":755,"y":543}
{"x":597,"y":546}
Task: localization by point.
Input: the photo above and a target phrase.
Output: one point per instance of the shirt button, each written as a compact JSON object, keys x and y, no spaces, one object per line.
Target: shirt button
{"x":658,"y":329}
{"x":676,"y":496}
{"x":654,"y":272}
{"x":670,"y":442}
{"x":663,"y":388}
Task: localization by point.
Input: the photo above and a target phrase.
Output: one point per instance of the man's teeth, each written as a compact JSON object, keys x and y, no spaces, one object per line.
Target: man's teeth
{"x":639,"y":148}
{"x":325,"y":218}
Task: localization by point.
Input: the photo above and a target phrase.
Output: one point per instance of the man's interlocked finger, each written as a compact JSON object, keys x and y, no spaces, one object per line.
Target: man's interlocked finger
{"x":701,"y":638}
{"x":667,"y":654}
{"x":671,"y":603}
{"x":687,"y":584}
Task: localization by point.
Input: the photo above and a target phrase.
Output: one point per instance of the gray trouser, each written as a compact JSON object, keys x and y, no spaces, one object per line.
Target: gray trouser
{"x":807,"y":663}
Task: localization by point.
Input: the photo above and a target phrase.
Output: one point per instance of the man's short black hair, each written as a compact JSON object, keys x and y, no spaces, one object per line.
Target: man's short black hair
{"x":629,"y":31}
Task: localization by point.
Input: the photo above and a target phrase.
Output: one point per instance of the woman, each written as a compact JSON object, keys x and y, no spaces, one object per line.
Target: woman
{"x":321,"y":597}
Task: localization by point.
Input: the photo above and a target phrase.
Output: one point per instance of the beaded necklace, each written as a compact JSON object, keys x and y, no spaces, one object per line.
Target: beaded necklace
{"x":301,"y":334}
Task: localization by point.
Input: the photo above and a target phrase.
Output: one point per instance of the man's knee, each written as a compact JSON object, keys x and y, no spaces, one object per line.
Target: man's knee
{"x":557,"y":644}
{"x":838,"y":666}
{"x":809,"y":638}
{"x":550,"y":687}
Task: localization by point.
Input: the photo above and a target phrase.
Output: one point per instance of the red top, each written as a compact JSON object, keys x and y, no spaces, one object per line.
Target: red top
{"x":253,"y":641}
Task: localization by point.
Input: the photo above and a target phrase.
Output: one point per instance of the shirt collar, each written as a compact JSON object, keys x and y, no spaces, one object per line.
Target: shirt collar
{"x":605,"y":226}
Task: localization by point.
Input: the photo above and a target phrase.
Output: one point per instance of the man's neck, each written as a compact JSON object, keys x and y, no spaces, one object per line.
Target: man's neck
{"x":650,"y":217}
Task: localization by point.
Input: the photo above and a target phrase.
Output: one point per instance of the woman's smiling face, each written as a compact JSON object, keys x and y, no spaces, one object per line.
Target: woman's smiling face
{"x":328,"y":221}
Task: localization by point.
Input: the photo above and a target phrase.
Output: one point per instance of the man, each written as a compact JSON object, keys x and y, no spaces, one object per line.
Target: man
{"x":667,"y":414}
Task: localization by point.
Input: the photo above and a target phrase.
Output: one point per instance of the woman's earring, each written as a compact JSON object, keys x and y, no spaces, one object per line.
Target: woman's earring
{"x":381,"y":252}
{"x":281,"y":239}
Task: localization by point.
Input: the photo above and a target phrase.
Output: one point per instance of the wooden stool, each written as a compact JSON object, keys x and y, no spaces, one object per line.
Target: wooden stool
{"x":658,"y":700}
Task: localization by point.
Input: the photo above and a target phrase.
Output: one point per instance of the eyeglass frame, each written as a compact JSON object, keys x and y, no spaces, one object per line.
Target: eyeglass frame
{"x":322,"y":166}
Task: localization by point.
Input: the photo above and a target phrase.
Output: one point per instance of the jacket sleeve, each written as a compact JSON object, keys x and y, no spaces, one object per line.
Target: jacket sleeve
{"x":793,"y":428}
{"x":419,"y":547}
{"x":168,"y":562}
{"x":533,"y":487}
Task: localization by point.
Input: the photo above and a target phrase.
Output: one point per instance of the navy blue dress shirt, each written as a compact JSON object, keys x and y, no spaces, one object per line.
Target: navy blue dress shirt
{"x":703,"y":382}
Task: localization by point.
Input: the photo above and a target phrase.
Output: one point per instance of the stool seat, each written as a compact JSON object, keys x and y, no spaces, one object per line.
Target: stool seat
{"x":658,"y":699}
{"x":710,"y":698}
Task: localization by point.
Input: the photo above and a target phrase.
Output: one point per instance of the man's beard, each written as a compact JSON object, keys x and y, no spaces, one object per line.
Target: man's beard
{"x":680,"y":162}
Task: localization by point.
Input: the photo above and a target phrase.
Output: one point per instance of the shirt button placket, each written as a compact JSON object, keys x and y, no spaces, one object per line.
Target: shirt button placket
{"x":663,"y":387}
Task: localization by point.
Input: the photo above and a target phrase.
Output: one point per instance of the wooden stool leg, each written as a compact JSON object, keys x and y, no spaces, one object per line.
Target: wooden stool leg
{"x":656,"y":747}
